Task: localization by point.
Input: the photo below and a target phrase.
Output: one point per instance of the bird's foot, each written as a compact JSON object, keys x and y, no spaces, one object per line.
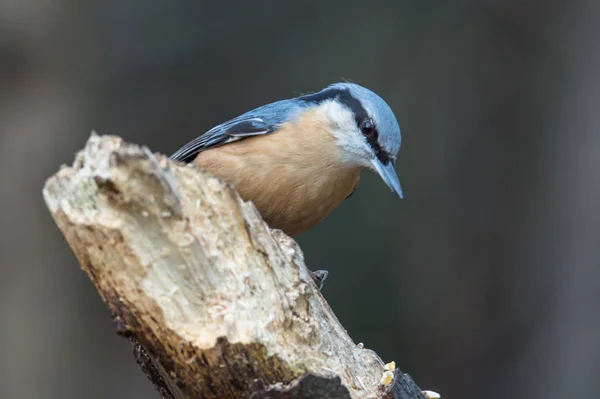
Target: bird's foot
{"x":319,"y":277}
{"x":289,"y":245}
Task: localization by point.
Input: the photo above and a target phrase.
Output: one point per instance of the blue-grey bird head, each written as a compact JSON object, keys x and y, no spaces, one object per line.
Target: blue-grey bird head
{"x":365,"y":126}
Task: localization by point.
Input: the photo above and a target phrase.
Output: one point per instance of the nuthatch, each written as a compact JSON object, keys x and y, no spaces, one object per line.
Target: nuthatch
{"x":298,"y":159}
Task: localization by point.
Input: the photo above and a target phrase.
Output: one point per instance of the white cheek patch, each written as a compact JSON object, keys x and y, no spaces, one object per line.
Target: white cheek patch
{"x":355,"y":149}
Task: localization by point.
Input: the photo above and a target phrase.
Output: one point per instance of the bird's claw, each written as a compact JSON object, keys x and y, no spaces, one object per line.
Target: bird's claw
{"x":319,"y":277}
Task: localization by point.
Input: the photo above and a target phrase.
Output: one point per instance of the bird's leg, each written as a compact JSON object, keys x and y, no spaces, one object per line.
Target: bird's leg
{"x":319,"y":277}
{"x":289,"y":244}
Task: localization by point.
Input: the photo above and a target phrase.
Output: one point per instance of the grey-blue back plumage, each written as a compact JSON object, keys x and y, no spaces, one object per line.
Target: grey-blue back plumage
{"x":262,"y":120}
{"x":267,"y":119}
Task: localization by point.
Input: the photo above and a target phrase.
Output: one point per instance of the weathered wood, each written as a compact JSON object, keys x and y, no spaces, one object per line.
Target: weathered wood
{"x":217,"y":305}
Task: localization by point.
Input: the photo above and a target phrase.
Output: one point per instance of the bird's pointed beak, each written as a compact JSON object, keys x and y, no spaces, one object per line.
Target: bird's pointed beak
{"x":389,"y":176}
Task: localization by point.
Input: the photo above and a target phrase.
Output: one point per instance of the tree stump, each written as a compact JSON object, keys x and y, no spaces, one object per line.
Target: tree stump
{"x":216,"y":304}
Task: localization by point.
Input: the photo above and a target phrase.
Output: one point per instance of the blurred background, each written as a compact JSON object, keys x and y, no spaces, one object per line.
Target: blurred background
{"x":484,"y":282}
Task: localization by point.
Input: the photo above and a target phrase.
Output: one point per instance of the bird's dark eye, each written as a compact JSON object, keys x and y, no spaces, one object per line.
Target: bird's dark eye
{"x":367,"y":127}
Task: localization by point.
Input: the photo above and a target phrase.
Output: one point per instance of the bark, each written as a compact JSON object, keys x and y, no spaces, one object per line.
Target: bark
{"x":216,"y":304}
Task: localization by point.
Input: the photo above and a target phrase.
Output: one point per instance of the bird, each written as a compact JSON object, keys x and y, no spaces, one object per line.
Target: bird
{"x":298,"y":159}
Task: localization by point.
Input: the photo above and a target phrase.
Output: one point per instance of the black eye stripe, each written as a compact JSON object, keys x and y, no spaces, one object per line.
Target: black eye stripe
{"x":344,"y":96}
{"x":360,"y":114}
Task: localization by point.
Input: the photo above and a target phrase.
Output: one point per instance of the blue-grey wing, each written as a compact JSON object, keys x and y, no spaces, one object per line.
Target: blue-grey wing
{"x":263,"y":120}
{"x":222,"y":134}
